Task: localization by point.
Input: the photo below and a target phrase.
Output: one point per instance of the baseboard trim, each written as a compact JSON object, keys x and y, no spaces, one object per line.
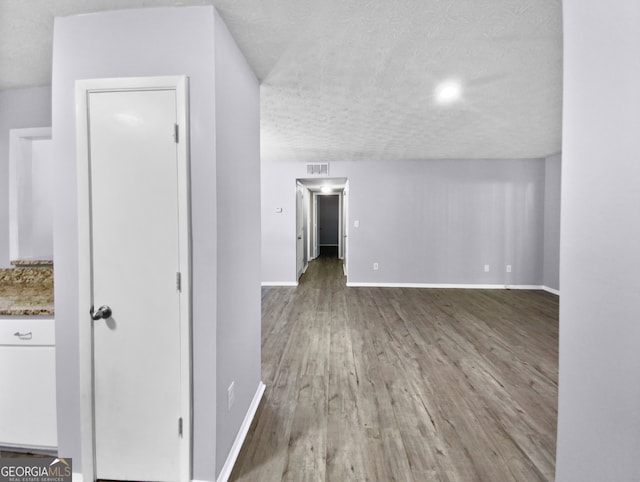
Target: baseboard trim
{"x":279,"y":283}
{"x":30,"y":449}
{"x":523,"y":287}
{"x":225,"y":473}
{"x":551,"y":290}
{"x":445,"y":286}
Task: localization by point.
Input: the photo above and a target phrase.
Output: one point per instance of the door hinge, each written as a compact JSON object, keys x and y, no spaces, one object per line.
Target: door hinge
{"x":179,"y":281}
{"x":176,"y":133}
{"x":180,"y":427}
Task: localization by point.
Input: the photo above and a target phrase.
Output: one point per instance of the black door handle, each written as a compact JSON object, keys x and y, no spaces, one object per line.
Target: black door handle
{"x":103,"y":312}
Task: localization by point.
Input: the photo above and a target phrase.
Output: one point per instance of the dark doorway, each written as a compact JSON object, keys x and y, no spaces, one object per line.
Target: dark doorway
{"x":328,"y":225}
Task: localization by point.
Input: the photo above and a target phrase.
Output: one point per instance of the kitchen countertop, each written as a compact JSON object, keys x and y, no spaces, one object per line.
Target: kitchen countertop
{"x":31,"y":262}
{"x":26,"y":291}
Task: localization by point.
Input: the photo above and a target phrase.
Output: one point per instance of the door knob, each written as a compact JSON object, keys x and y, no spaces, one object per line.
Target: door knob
{"x":103,"y":312}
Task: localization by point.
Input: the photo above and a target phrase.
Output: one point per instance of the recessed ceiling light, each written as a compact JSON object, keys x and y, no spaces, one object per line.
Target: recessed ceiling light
{"x":326,"y":189}
{"x":448,"y":92}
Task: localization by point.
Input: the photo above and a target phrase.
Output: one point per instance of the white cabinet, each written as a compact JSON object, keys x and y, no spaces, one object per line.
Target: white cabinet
{"x":28,"y":377}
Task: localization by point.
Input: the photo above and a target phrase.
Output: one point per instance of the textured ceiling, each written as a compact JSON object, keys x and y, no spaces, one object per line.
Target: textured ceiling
{"x":351,"y":80}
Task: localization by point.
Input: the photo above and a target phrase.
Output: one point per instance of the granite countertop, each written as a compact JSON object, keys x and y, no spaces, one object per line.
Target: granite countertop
{"x":25,"y":263}
{"x":26,"y":291}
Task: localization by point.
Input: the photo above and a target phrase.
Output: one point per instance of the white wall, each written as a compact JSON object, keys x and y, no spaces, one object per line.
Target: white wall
{"x":599,"y":391}
{"x":551,"y":269}
{"x":433,"y":222}
{"x":19,"y":108}
{"x":41,"y":215}
{"x":238,"y":188}
{"x":154,"y":42}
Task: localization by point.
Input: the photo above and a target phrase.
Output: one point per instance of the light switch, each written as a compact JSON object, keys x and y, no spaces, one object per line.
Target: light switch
{"x":356,"y":224}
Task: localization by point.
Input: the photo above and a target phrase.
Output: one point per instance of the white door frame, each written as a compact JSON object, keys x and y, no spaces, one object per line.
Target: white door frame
{"x":300,"y":268}
{"x":340,"y":225}
{"x":315,"y":245}
{"x":345,"y":231}
{"x":316,"y":195}
{"x":85,"y":295}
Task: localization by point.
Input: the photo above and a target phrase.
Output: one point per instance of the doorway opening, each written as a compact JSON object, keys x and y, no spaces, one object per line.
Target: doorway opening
{"x":321,"y":221}
{"x":328,"y":225}
{"x":30,"y":195}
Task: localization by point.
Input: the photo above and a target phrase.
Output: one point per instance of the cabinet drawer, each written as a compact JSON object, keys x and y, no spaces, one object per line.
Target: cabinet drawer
{"x":27,"y":332}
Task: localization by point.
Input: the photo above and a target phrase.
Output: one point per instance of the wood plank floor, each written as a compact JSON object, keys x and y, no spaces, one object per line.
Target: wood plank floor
{"x":387,"y":384}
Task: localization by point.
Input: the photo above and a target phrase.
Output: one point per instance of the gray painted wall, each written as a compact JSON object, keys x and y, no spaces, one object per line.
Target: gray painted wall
{"x":435,"y":222}
{"x":161,"y":41}
{"x":238,"y":188}
{"x":551,"y":268}
{"x":19,"y":108}
{"x":599,"y":403}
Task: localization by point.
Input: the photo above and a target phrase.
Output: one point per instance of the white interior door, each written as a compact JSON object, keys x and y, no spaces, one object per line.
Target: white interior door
{"x":305,"y":226}
{"x":345,"y":226}
{"x":340,"y":225}
{"x":137,"y":264}
{"x":299,"y":231}
{"x":315,"y":234}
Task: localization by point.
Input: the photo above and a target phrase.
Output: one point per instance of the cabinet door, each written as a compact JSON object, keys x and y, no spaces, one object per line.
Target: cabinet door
{"x":28,"y":401}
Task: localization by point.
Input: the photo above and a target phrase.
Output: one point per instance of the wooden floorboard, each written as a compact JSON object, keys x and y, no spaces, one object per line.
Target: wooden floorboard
{"x":385,"y":384}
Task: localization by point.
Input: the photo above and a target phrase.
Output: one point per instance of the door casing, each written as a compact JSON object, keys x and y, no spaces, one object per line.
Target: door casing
{"x":85,"y":329}
{"x":340,"y":226}
{"x":300,"y":234}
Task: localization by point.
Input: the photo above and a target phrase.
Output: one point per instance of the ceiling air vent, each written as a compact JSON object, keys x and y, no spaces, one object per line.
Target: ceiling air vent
{"x":318,"y":169}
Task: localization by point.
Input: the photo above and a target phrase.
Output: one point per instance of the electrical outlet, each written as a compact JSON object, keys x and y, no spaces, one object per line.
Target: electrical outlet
{"x":231,"y":397}
{"x":375,"y":266}
{"x":508,"y":268}
{"x":486,"y":268}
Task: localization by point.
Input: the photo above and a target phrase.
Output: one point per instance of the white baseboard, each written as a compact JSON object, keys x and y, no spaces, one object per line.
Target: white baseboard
{"x":25,"y":448}
{"x":551,"y":290}
{"x":523,"y":287}
{"x":425,"y":285}
{"x":446,"y":286}
{"x":242,"y":433}
{"x":279,"y":283}
{"x":76,"y":477}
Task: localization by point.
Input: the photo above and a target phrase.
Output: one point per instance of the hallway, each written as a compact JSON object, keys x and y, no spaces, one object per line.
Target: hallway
{"x":403,"y":384}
